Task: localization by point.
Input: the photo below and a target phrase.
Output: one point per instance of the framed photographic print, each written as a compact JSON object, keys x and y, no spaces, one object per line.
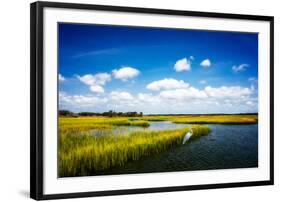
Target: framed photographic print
{"x":134,"y":100}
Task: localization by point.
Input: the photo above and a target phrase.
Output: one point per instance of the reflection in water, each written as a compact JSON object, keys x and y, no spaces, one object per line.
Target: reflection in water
{"x":124,"y":130}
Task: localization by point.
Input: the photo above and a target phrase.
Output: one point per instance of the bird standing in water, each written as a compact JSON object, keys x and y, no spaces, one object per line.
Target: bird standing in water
{"x":187,"y":136}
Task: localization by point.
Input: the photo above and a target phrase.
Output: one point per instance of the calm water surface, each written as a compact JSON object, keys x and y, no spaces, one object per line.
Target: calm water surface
{"x":154,"y":125}
{"x":227,"y":146}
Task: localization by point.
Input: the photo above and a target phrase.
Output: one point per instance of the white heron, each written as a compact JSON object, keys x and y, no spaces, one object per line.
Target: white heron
{"x":187,"y":136}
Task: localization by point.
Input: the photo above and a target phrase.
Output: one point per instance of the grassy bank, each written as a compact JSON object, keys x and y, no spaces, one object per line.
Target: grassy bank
{"x":88,"y":123}
{"x":204,"y":119}
{"x":84,"y":154}
{"x":81,"y":153}
{"x":216,"y":119}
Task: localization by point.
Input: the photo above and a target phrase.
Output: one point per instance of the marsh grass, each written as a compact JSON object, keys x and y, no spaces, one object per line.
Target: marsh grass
{"x":155,"y":118}
{"x":81,"y":155}
{"x":204,"y":119}
{"x":140,"y":123}
{"x":71,"y":125}
{"x":198,"y":131}
{"x":217,"y":119}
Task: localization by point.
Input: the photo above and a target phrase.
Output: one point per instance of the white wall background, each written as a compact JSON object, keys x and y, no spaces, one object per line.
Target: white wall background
{"x":14,"y":101}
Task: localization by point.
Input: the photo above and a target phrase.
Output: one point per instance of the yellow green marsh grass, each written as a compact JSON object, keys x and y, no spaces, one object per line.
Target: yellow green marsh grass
{"x":85,"y":154}
{"x":88,"y":123}
{"x":81,"y":153}
{"x":216,"y":119}
{"x":155,"y":118}
{"x":205,"y":119}
{"x":199,"y":130}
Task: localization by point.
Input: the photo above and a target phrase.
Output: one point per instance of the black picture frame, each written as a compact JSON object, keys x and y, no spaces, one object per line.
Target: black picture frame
{"x":36,"y":98}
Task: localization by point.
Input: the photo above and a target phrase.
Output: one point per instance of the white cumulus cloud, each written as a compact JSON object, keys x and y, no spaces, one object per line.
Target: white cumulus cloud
{"x":149,"y":98}
{"x":121,"y":95}
{"x":166,"y":84}
{"x":95,"y":82}
{"x":222,"y":99}
{"x":182,"y":65}
{"x":239,"y":68}
{"x":228,"y":91}
{"x":125,"y":73}
{"x":183,"y":94}
{"x":61,"y":78}
{"x":123,"y":101}
{"x":206,"y":63}
{"x":97,"y":79}
{"x":80,"y":102}
{"x":97,"y":89}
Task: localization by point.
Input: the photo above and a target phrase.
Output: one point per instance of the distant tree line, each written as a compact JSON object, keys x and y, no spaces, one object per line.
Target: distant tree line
{"x":67,"y":113}
{"x":109,"y":113}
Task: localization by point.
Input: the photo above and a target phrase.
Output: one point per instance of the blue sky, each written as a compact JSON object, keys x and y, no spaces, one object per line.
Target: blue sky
{"x":156,"y":70}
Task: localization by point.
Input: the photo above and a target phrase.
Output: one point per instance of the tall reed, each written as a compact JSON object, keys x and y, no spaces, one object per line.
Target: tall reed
{"x":216,"y":119}
{"x":84,"y":154}
{"x":88,"y":123}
